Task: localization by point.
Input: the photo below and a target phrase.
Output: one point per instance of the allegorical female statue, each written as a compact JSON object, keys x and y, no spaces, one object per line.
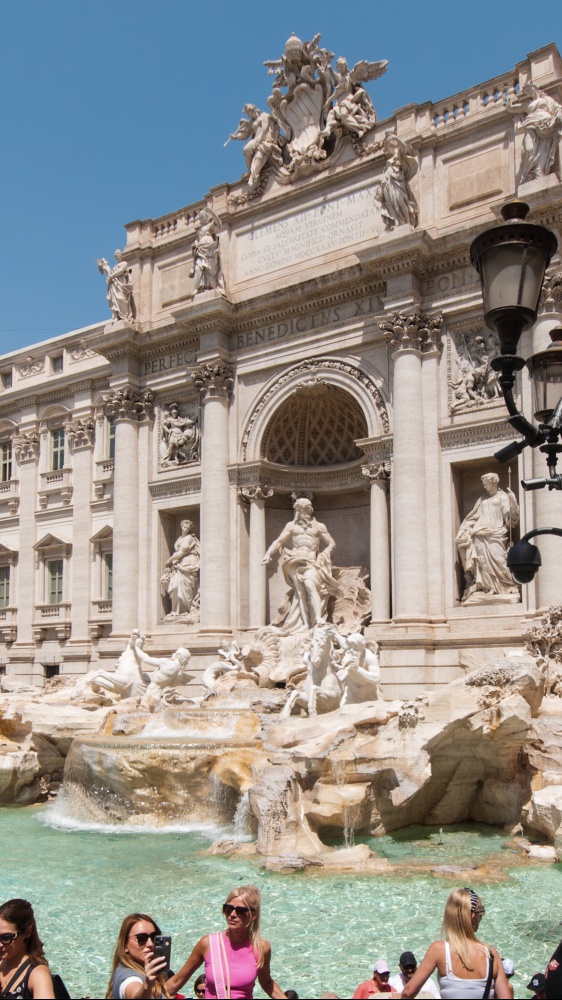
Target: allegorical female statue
{"x":398,"y":207}
{"x":180,"y":579}
{"x":482,"y":541}
{"x":119,"y":287}
{"x":542,"y":127}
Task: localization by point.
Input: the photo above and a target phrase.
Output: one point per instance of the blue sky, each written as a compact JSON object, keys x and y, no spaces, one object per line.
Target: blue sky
{"x":114,"y":110}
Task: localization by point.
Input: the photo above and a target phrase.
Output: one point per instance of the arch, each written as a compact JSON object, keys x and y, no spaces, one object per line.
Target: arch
{"x":317,"y":425}
{"x":54,"y":411}
{"x":8,"y":427}
{"x":355,"y":381}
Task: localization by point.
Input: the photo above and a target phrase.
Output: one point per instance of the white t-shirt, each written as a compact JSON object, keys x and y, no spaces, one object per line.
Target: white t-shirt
{"x":397,"y":983}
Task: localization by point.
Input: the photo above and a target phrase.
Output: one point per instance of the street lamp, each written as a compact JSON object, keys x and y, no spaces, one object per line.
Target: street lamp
{"x":511,"y":260}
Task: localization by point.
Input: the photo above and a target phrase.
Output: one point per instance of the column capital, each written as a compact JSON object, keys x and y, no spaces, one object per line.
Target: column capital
{"x":213,"y":380}
{"x":252,"y":493}
{"x":376,"y":473}
{"x":80,"y":432}
{"x":128,"y":403}
{"x":414,"y":330}
{"x":26,"y":446}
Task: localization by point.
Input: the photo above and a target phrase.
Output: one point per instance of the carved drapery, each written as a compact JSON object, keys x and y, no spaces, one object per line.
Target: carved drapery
{"x":26,"y":446}
{"x":213,"y":380}
{"x":413,"y":330}
{"x":128,"y":403}
{"x":80,"y":432}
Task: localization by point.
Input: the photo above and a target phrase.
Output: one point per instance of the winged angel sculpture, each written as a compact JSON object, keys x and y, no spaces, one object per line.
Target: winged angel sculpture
{"x":313,"y":108}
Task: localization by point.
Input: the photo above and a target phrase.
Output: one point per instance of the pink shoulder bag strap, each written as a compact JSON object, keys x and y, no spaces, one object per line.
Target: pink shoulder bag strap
{"x":219,"y":966}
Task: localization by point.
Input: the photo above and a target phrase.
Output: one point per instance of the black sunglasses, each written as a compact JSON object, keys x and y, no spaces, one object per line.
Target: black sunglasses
{"x":240,"y":911}
{"x":9,"y":938}
{"x":143,"y":938}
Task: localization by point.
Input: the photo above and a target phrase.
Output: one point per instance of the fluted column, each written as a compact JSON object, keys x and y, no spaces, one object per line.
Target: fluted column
{"x":215,"y":384}
{"x":26,"y":451}
{"x":79,"y":433}
{"x":377,"y":482}
{"x":547,"y":507}
{"x":127,"y":406}
{"x":407,"y":333}
{"x":256,"y":497}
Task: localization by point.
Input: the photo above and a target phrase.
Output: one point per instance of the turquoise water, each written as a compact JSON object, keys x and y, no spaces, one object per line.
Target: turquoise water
{"x":326,"y":931}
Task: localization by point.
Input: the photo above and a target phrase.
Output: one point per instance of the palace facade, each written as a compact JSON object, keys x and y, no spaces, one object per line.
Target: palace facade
{"x":340,"y":354}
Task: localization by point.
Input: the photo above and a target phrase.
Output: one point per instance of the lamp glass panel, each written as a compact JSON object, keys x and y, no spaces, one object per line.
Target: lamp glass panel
{"x":512,"y":275}
{"x":547,"y":387}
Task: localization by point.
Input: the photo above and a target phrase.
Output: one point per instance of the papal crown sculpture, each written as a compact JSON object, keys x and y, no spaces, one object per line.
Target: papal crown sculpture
{"x":314,"y":106}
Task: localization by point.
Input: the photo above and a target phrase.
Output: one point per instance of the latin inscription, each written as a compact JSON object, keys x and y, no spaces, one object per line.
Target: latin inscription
{"x":306,"y":324}
{"x":170,"y":361}
{"x":341,"y":222}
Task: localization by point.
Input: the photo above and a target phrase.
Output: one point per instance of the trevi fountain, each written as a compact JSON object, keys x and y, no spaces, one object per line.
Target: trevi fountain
{"x":307,"y":664}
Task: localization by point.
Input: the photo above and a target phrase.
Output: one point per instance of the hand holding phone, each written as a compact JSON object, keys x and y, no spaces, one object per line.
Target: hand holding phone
{"x":163,"y":949}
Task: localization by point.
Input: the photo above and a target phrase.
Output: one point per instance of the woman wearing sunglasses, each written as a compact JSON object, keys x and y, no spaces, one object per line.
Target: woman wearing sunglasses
{"x":236,"y":957}
{"x":24,"y":971}
{"x":135,"y":974}
{"x":467,"y":968}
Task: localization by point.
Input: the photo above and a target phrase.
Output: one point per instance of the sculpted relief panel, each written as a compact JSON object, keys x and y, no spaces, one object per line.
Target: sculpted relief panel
{"x":180,"y":434}
{"x":472,"y":380}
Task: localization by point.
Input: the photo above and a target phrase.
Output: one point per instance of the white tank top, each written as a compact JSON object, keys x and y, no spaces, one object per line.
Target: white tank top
{"x":454,"y":988}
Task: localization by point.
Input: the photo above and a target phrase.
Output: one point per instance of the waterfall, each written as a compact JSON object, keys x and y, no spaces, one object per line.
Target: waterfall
{"x":350,"y":812}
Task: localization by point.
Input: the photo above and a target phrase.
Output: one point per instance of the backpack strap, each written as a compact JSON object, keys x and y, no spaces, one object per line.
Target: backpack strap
{"x":27,"y":967}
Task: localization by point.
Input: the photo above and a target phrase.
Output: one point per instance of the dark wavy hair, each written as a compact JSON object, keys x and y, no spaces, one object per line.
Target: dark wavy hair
{"x":19,"y":913}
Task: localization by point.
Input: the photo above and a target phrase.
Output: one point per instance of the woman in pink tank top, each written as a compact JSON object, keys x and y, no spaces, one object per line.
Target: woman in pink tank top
{"x":236,"y":957}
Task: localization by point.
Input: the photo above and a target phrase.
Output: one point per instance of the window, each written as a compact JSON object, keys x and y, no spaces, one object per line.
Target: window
{"x":58,"y":449}
{"x":51,"y":670}
{"x":54,"y":573}
{"x":108,"y":575}
{"x":57,"y":364}
{"x":4,"y":586}
{"x":111,"y":437}
{"x":5,"y":461}
{"x":7,"y":380}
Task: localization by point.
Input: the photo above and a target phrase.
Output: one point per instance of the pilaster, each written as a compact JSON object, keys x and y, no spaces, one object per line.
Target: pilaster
{"x":377,"y":478}
{"x":256,"y":496}
{"x":80,"y":435}
{"x":26,"y":451}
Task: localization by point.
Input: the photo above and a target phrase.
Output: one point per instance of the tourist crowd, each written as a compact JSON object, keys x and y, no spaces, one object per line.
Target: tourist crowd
{"x":235,"y":958}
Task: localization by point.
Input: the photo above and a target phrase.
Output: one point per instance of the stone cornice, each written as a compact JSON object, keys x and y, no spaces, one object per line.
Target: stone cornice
{"x":466,"y":435}
{"x":287,"y":479}
{"x":60,"y":514}
{"x":175,"y":487}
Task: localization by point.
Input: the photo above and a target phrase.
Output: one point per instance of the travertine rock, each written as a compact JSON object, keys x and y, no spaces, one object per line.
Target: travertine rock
{"x":543,"y":815}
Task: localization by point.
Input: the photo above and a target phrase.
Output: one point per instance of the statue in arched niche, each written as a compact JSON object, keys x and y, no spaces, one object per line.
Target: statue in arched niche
{"x":482,"y":541}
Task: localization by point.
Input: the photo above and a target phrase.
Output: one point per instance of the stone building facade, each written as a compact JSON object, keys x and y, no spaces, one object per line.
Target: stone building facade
{"x":340,"y":354}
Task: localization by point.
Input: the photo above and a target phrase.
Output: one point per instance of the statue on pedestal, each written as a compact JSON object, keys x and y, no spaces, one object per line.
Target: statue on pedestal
{"x":263,"y":145}
{"x":180,"y":579}
{"x":482,"y":542}
{"x":398,"y":207}
{"x":119,"y":287}
{"x":542,"y":126}
{"x":305,"y":547}
{"x":206,"y":269}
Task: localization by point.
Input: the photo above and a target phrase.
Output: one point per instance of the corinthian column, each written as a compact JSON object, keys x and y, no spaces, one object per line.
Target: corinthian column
{"x":407,"y":333}
{"x":79,"y":433}
{"x":127,"y":406}
{"x":26,"y":451}
{"x":215,"y":383}
{"x":256,"y":497}
{"x":377,"y":481}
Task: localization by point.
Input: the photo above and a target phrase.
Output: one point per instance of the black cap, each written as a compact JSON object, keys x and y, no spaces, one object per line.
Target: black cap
{"x":407,"y":958}
{"x":538,"y":982}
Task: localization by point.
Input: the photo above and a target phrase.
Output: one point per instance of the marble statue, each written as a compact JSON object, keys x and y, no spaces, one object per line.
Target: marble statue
{"x":169,"y":671}
{"x":236,"y":662}
{"x":260,"y":132}
{"x":482,"y":542}
{"x":181,"y":575}
{"x":127,"y":681}
{"x":322,"y":690}
{"x":359,"y":669}
{"x":180,"y":437}
{"x":206,"y":269}
{"x":349,"y":105}
{"x":398,"y":207}
{"x":305,"y":547}
{"x":119,"y":287}
{"x":542,"y":127}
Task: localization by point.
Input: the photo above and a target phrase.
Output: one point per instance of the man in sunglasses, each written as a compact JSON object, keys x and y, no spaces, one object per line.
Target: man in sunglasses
{"x":407,"y":963}
{"x":378,"y":984}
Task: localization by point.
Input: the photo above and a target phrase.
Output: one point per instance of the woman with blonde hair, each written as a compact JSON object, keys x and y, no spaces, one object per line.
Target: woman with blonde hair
{"x":236,"y":957}
{"x":135,"y":974}
{"x":24,"y":971}
{"x":467,"y":968}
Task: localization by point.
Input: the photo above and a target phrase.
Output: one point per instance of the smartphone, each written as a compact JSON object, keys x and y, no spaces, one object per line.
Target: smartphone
{"x":163,"y":949}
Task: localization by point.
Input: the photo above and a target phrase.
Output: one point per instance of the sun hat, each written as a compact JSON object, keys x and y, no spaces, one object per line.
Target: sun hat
{"x":508,"y":966}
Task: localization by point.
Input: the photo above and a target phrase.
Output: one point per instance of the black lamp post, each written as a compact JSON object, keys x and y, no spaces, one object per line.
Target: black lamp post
{"x":511,"y":260}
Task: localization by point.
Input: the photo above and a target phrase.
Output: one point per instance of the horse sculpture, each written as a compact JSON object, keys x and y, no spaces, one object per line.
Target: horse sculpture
{"x":322,"y":690}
